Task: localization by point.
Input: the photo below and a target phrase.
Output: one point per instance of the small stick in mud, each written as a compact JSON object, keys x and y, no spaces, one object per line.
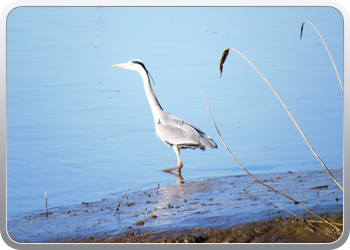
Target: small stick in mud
{"x":117,"y":209}
{"x":148,"y":233}
{"x":46,"y":201}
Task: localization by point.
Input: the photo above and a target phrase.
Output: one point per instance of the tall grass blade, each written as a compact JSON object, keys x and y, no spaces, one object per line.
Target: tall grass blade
{"x":329,"y":53}
{"x":225,"y":54}
{"x":295,"y":202}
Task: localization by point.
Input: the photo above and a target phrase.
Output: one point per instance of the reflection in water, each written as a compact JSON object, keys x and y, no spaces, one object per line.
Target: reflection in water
{"x":177,"y":174}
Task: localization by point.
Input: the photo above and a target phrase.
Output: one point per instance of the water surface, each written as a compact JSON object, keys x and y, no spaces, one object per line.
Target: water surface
{"x":82,"y":131}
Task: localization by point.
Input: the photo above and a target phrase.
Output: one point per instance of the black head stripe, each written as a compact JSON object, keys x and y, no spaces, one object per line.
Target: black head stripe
{"x":144,"y":67}
{"x":140,"y":63}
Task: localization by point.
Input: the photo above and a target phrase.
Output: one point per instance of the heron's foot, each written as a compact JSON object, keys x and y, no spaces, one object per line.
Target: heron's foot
{"x":169,"y":169}
{"x":178,"y":168}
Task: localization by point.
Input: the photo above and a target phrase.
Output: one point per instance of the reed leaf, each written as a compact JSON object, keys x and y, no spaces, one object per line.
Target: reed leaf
{"x":223,"y":58}
{"x":329,"y":53}
{"x":262,"y":183}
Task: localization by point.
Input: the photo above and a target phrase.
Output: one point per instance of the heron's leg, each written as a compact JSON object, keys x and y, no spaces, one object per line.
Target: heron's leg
{"x":179,"y":162}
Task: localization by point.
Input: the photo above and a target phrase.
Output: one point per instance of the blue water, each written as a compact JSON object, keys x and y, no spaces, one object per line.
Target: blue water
{"x":82,"y":131}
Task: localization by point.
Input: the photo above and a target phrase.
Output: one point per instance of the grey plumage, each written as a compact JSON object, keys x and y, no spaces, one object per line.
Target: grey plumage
{"x":173,"y":131}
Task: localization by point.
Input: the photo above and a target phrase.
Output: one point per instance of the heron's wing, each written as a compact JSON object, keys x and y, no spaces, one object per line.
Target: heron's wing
{"x":173,"y":130}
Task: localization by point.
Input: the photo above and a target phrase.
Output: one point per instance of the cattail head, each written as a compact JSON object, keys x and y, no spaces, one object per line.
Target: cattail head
{"x":223,"y":58}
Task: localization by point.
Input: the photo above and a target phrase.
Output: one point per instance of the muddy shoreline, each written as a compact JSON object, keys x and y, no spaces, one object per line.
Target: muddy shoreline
{"x":225,"y":209}
{"x":287,"y":230}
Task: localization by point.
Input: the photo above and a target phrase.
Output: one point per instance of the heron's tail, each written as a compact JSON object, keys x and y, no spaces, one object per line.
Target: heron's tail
{"x":208,"y":142}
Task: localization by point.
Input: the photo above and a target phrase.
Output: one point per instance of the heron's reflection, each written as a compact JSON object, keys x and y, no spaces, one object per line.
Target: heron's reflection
{"x":177,"y":174}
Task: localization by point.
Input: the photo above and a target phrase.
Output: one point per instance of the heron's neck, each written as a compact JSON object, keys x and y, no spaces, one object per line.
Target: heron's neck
{"x":151,"y":97}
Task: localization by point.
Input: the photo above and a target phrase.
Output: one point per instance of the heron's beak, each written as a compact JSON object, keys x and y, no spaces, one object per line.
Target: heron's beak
{"x":117,"y":65}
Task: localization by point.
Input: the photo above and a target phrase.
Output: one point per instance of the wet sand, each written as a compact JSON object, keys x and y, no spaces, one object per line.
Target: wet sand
{"x":287,"y":230}
{"x":225,"y":209}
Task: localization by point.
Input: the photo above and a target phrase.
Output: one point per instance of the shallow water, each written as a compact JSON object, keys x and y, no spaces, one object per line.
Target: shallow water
{"x":220,"y":202}
{"x":82,"y":131}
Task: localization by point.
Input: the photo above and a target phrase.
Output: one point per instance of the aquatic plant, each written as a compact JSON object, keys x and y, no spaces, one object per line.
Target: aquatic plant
{"x":262,"y":183}
{"x":329,"y":53}
{"x":222,"y":61}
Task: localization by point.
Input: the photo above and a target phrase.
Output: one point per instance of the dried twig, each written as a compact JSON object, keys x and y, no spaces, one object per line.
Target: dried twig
{"x":122,"y":198}
{"x":295,"y":202}
{"x":317,"y":221}
{"x":329,"y":53}
{"x":46,"y":201}
{"x":148,"y":233}
{"x":297,"y":216}
{"x":223,"y":58}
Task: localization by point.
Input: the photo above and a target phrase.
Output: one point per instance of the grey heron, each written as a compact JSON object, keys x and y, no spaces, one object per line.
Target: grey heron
{"x":173,"y":131}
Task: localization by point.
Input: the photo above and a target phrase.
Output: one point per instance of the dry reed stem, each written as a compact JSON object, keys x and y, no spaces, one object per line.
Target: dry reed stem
{"x":46,"y":202}
{"x":329,"y":53}
{"x":222,"y":61}
{"x":317,"y":221}
{"x":295,"y":202}
{"x":148,"y":233}
{"x":297,"y":216}
{"x":122,"y":198}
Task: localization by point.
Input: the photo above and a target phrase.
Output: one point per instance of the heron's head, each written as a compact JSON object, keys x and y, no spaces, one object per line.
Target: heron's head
{"x":134,"y":64}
